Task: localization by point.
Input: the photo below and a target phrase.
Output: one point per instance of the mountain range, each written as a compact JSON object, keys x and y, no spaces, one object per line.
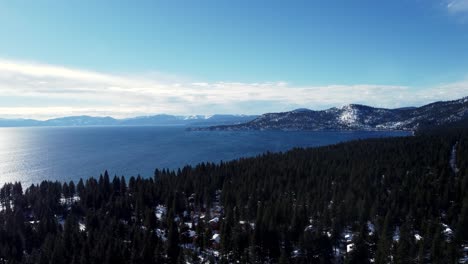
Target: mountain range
{"x":348,"y":117}
{"x":357,"y":117}
{"x":155,"y":120}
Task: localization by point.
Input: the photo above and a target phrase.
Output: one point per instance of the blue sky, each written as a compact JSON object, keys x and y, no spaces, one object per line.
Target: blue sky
{"x":127,"y":58}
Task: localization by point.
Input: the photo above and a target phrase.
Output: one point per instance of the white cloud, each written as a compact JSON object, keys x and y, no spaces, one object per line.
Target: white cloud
{"x":457,"y":6}
{"x":35,"y":90}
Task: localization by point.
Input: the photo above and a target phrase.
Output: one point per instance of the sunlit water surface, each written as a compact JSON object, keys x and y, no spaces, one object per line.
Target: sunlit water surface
{"x":31,"y":155}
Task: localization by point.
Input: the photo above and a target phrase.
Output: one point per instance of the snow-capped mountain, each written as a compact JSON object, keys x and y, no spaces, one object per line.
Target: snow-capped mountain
{"x":359,"y":117}
{"x":192,"y":120}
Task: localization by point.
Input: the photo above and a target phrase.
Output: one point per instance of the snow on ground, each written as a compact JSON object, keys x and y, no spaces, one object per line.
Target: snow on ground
{"x":216,"y":238}
{"x":448,"y":232}
{"x":346,"y":244}
{"x":349,"y":115}
{"x":396,"y":234}
{"x":69,"y":201}
{"x":189,"y":246}
{"x":371,"y":228}
{"x":296,"y":253}
{"x":160,"y":211}
{"x":464,"y":258}
{"x":349,"y":247}
{"x":61,"y":221}
{"x":214,"y":220}
{"x":192,"y":233}
{"x":161,"y":234}
{"x":214,"y":253}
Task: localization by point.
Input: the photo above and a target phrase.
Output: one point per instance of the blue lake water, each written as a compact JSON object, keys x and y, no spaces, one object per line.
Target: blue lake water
{"x":31,"y":155}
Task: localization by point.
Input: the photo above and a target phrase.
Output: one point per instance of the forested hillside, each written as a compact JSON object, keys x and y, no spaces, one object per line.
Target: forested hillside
{"x":358,"y":117}
{"x":395,"y":200}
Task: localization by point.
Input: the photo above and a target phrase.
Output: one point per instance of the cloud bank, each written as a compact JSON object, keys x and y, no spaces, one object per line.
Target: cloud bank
{"x":41,"y":91}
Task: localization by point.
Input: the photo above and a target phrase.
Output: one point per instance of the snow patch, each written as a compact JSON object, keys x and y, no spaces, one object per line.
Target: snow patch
{"x":349,"y":115}
{"x":371,"y":228}
{"x":448,"y":232}
{"x":82,"y":226}
{"x":349,"y":247}
{"x":160,"y":211}
{"x":396,"y":234}
{"x":214,"y":220}
{"x":216,"y":238}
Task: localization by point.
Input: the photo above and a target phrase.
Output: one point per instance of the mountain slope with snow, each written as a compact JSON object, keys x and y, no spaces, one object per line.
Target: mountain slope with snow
{"x":359,"y":117}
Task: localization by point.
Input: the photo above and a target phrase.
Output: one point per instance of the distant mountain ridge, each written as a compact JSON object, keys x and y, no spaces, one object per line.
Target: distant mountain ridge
{"x":154,"y":120}
{"x":358,"y":117}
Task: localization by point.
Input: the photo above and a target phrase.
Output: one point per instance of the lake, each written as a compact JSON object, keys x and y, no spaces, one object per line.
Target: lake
{"x":31,"y":155}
